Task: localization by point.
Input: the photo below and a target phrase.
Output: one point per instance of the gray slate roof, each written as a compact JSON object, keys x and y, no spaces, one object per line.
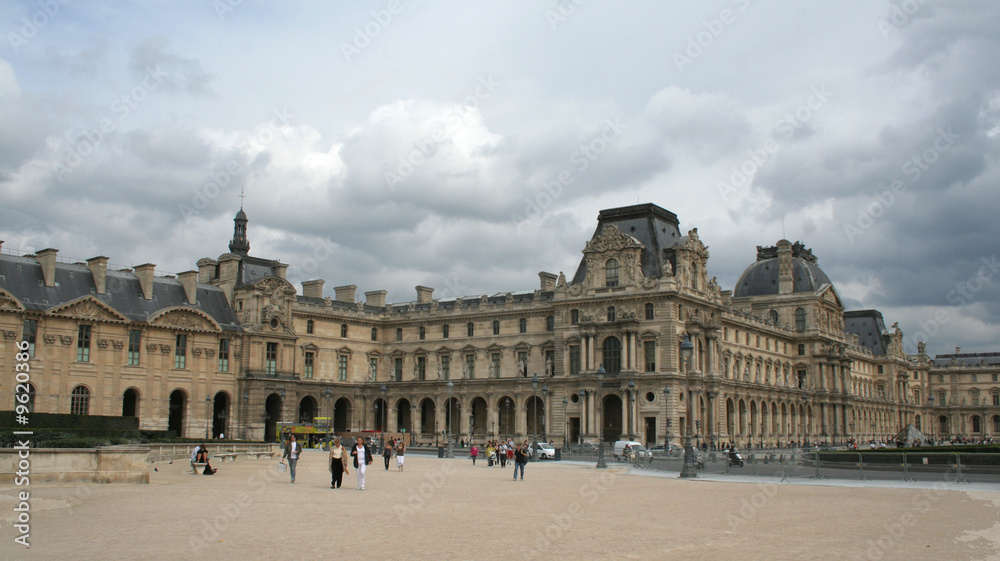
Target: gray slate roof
{"x":22,"y":277}
{"x":655,"y":227}
{"x":869,"y":326}
{"x":967,"y":359}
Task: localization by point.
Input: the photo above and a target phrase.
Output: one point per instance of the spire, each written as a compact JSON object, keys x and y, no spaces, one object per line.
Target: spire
{"x":240,"y":245}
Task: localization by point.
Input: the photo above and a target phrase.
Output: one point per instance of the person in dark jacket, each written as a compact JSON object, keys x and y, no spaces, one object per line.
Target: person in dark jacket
{"x":362,"y":455}
{"x":520,"y":459}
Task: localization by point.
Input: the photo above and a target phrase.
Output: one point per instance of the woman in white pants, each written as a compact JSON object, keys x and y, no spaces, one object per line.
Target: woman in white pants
{"x":362,"y":457}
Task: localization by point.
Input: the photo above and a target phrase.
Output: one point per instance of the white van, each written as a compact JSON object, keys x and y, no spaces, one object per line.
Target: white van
{"x":621,"y":445}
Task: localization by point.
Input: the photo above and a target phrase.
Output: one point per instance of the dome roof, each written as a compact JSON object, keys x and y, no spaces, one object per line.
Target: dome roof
{"x":241,"y":215}
{"x":761,"y":278}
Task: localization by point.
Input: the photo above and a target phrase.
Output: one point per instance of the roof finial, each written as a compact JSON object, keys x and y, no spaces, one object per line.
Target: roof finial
{"x":242,"y":196}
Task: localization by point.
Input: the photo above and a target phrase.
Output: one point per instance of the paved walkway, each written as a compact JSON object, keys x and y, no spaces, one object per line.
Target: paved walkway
{"x":448,"y":509}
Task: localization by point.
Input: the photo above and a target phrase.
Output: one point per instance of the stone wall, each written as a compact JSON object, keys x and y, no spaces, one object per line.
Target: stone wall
{"x":113,"y":464}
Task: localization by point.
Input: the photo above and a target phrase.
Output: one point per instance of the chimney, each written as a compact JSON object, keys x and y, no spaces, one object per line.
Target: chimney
{"x":1,"y":246}
{"x":786,"y":278}
{"x":47,"y":259}
{"x":189,"y":280}
{"x":548,"y":281}
{"x":280,"y":269}
{"x":313,"y":288}
{"x":424,"y":294}
{"x":375,"y":298}
{"x":99,"y":269}
{"x":207,"y":269}
{"x":346,"y":293}
{"x":145,"y":274}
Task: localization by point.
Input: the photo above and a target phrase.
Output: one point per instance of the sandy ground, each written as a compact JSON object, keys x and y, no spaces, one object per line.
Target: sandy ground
{"x":448,"y":509}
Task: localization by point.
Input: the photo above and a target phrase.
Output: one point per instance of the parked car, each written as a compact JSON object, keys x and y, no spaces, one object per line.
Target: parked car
{"x":586,"y":448}
{"x":622,"y":446}
{"x":544,"y":451}
{"x":661,"y":451}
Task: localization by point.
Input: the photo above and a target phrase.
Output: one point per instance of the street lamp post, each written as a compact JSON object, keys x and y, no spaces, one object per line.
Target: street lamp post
{"x":385,"y":407}
{"x":565,"y":424}
{"x":413,"y":420}
{"x":472,"y":421}
{"x":931,"y":421}
{"x":583,"y":415}
{"x":534,"y":414}
{"x":631,"y":407}
{"x":689,"y":469}
{"x":666,"y":415}
{"x":451,"y":450}
{"x":545,"y":405}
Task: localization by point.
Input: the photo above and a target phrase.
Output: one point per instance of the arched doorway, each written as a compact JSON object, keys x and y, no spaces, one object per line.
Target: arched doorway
{"x":534,"y":411}
{"x":130,"y":403}
{"x":730,"y":418}
{"x":427,"y":412}
{"x":611,"y":352}
{"x":611,"y":408}
{"x":452,"y":420}
{"x":220,"y":415}
{"x":307,"y":409}
{"x":505,"y":406}
{"x":341,"y":415}
{"x":478,"y":426}
{"x":175,"y":418}
{"x":272,"y":414}
{"x":403,"y":417}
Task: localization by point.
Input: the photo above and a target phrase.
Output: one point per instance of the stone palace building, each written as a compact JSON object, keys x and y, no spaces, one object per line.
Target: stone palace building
{"x":234,"y":348}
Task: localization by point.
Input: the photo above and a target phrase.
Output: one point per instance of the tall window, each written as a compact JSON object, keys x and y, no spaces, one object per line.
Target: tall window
{"x":802,"y":349}
{"x":612,"y":353}
{"x":649,"y":311}
{"x":611,"y":313}
{"x":309,"y":326}
{"x":271,"y":358}
{"x":996,"y":399}
{"x":574,"y":359}
{"x":495,"y":361}
{"x":223,"y":355}
{"x":29,"y":334}
{"x":522,"y":325}
{"x":180,"y":351}
{"x":423,"y":332}
{"x":307,"y":370}
{"x":373,"y":368}
{"x":80,"y":401}
{"x":649,"y":353}
{"x":550,"y":323}
{"x":83,"y":344}
{"x":134,"y":342}
{"x":800,"y":319}
{"x":343,"y":330}
{"x":496,"y":327}
{"x":774,"y":316}
{"x":374,"y":334}
{"x":446,"y":367}
{"x":399,"y":334}
{"x":470,"y":329}
{"x":342,"y":368}
{"x":470,"y":364}
{"x":421,"y":368}
{"x":611,"y":273}
{"x":574,"y":317}
{"x":398,"y":365}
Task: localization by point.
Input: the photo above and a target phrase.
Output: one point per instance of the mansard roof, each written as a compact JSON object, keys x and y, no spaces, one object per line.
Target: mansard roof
{"x":22,"y":277}
{"x":656,"y":228}
{"x":869,"y":326}
{"x":966,"y":359}
{"x":761,"y":278}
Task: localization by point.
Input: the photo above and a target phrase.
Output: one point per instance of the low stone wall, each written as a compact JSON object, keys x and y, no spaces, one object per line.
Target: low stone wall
{"x":166,"y":452}
{"x":112,"y":464}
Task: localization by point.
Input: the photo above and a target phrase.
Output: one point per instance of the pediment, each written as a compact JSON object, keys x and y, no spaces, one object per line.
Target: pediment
{"x":612,"y":239}
{"x":9,"y":302}
{"x":829,"y":294}
{"x":88,"y":308}
{"x":185,"y":318}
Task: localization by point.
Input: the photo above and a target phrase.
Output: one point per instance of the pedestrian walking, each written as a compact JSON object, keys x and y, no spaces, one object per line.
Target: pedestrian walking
{"x":338,"y":463}
{"x":387,"y":454}
{"x":520,"y":459}
{"x":474,"y":452}
{"x":293,"y":451}
{"x":400,"y":455}
{"x":362,"y":457}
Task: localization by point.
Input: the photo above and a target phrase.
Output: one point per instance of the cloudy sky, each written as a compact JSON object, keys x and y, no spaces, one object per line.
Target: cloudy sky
{"x":467,"y":146}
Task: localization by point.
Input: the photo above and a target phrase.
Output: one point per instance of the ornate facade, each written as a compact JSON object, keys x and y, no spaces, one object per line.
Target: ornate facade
{"x":234,"y":348}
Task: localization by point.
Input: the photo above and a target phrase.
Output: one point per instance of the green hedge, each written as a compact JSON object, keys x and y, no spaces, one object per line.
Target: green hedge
{"x":71,"y":422}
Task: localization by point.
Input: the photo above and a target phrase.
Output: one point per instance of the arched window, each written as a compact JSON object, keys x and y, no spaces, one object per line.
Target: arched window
{"x":774,"y":316}
{"x":611,"y":272}
{"x":470,"y":329}
{"x":800,"y":319}
{"x":343,"y":330}
{"x":80,"y":401}
{"x":374,"y":334}
{"x":309,"y":326}
{"x":611,"y":313}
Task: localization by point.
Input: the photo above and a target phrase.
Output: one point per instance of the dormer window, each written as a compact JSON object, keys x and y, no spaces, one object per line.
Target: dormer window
{"x":611,"y":273}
